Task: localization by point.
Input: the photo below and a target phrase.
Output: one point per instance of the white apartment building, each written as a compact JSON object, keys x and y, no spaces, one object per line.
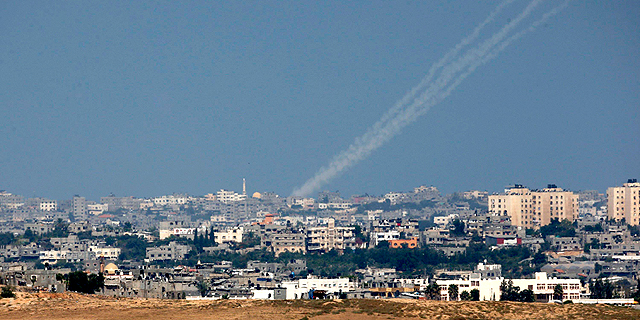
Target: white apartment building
{"x":393,"y":197}
{"x":377,"y":237}
{"x":300,"y":288}
{"x":169,"y":200}
{"x":489,"y":288}
{"x":107,"y":253}
{"x":226,"y":196}
{"x":178,"y":232}
{"x":443,"y":221}
{"x":533,"y":209}
{"x":330,"y":237}
{"x":97,"y":209}
{"x":335,"y":205}
{"x":230,"y":235}
{"x":48,"y":205}
{"x":624,"y":202}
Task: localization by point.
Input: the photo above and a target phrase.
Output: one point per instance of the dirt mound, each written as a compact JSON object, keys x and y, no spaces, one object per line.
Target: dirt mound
{"x":80,"y":306}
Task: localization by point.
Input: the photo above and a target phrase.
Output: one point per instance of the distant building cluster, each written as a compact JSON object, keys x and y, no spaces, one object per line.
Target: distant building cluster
{"x":145,"y":247}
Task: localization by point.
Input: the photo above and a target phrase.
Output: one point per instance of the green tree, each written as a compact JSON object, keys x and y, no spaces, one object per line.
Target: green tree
{"x":79,"y":282}
{"x":6,"y":238}
{"x":60,"y":229}
{"x":465,"y":296}
{"x":453,"y":292}
{"x":432,"y":291}
{"x":7,"y":292}
{"x":527,"y":295}
{"x":558,"y":228}
{"x":131,"y":247}
{"x":509,"y":292}
{"x":475,"y":295}
{"x":558,"y":293}
{"x":458,"y":228}
{"x":602,"y":289}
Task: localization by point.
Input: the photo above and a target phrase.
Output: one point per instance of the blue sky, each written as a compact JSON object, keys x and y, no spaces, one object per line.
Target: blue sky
{"x":147,"y":99}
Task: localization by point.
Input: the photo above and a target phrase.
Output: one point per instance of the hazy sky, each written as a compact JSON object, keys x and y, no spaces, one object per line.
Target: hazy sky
{"x":147,"y":99}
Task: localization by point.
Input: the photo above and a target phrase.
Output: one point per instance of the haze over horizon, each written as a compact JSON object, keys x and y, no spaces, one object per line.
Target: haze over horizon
{"x":145,"y":100}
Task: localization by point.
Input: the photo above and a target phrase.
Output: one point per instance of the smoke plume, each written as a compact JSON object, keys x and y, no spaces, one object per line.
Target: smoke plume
{"x":441,"y":79}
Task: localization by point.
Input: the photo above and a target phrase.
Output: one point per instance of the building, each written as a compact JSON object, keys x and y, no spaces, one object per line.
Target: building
{"x":304,"y":287}
{"x":230,"y":235}
{"x":286,"y":240}
{"x":330,"y":237}
{"x":377,"y":237}
{"x":399,"y":243}
{"x":172,"y":251}
{"x":114,"y":203}
{"x":80,"y":209}
{"x":533,"y":209}
{"x":171,"y":200}
{"x":106,"y":252}
{"x":226,"y":196}
{"x":542,"y":287}
{"x":624,"y":202}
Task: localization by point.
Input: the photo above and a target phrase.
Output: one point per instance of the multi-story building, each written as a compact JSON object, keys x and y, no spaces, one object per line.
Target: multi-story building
{"x":171,"y":200}
{"x":80,"y":209}
{"x":172,"y":251}
{"x":542,"y":287}
{"x":533,"y":209}
{"x":302,"y":287}
{"x":41,"y":204}
{"x":329,"y":237}
{"x":286,"y":240}
{"x":624,"y":202}
{"x":114,"y":203}
{"x":106,"y":252}
{"x":377,"y":237}
{"x":230,"y":235}
{"x":226,"y":196}
{"x":554,"y":203}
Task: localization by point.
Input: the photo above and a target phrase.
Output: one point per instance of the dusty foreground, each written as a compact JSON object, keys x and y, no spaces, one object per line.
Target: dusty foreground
{"x":77,"y":306}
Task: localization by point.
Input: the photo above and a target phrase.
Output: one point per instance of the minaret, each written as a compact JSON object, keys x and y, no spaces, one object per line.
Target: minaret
{"x":244,"y":186}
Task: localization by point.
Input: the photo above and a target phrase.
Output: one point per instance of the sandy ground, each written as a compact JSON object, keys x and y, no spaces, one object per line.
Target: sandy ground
{"x":78,"y":306}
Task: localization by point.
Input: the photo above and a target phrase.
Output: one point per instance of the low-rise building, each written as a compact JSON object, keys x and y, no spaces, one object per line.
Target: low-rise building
{"x":172,"y":251}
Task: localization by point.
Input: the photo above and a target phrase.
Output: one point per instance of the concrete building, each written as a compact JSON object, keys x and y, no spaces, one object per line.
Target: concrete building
{"x":172,"y":251}
{"x":542,"y":287}
{"x":533,"y":209}
{"x":377,"y":237}
{"x":329,"y":237}
{"x":230,"y":235}
{"x":171,"y":200}
{"x":624,"y":202}
{"x":80,"y":209}
{"x":300,"y":289}
{"x":226,"y":196}
{"x":286,"y":240}
{"x":114,"y":203}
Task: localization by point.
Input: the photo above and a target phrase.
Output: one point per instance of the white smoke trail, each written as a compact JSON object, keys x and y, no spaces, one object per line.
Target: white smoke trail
{"x":451,"y":75}
{"x":434,"y":68}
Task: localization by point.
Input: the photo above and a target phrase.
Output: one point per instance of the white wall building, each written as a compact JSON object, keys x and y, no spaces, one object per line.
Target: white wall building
{"x":169,"y":200}
{"x":107,"y":253}
{"x":489,"y":288}
{"x":226,"y":196}
{"x":377,"y":237}
{"x":48,"y":205}
{"x":300,"y":289}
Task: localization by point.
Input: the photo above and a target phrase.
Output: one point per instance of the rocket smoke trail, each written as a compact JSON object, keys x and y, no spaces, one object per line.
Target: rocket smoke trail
{"x":442,"y":78}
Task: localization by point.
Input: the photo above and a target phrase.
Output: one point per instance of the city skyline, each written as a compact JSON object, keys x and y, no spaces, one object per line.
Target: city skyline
{"x":142,"y":100}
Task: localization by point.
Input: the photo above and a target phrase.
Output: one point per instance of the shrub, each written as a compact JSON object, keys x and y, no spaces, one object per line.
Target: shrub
{"x":7,"y":292}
